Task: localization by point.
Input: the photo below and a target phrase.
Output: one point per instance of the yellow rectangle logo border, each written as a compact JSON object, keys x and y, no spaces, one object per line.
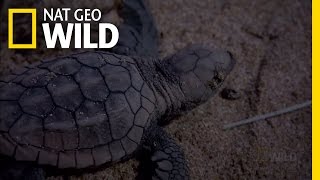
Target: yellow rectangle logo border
{"x":33,"y":12}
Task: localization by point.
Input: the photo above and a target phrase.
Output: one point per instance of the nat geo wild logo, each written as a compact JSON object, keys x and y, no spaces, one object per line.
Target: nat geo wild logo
{"x":78,"y":32}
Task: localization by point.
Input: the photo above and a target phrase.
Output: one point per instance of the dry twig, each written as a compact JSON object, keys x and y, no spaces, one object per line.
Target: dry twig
{"x":268,"y":115}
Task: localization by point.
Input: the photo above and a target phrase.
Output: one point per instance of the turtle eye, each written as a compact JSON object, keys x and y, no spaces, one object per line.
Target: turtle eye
{"x":219,"y":76}
{"x":217,"y":79}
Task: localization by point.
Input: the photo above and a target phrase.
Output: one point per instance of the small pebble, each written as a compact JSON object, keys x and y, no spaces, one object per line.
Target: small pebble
{"x":230,"y":94}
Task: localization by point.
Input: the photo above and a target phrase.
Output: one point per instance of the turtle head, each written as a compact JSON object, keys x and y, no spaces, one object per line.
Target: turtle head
{"x":201,"y":72}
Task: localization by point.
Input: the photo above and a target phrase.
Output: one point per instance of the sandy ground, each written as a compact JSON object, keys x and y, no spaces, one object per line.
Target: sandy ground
{"x":271,"y":41}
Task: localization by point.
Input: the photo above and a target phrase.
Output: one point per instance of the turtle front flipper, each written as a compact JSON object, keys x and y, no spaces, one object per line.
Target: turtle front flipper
{"x":138,"y":34}
{"x":166,"y":159}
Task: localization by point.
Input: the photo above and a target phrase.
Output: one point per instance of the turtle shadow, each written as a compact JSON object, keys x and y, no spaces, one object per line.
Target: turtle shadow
{"x":145,"y":167}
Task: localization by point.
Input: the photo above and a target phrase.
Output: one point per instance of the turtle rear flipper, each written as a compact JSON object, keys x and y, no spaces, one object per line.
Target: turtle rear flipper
{"x":138,"y":34}
{"x":165,"y":159}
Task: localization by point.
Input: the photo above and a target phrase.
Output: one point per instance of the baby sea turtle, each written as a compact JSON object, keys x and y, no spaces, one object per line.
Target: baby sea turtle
{"x":97,"y":108}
